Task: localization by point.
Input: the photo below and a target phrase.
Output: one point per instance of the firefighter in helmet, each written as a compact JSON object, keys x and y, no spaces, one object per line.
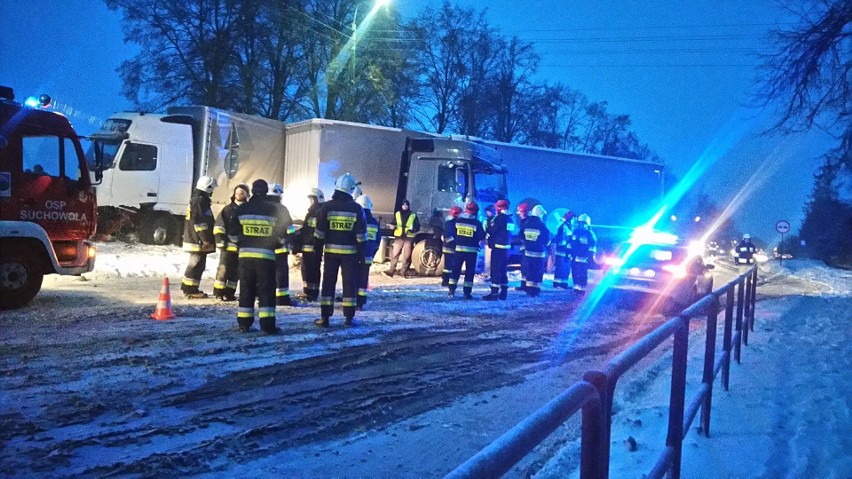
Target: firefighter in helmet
{"x":536,"y":238}
{"x":562,"y":268}
{"x":374,"y":238}
{"x":258,"y":232}
{"x":746,"y":250}
{"x":522,"y":212}
{"x":449,"y":247}
{"x":342,"y":231}
{"x":584,"y":245}
{"x":499,"y":239}
{"x":227,"y":274}
{"x":311,"y":254}
{"x":467,"y":236}
{"x":282,"y":252}
{"x":198,"y":239}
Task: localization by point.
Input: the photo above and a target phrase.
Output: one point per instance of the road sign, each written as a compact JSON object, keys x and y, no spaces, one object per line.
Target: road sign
{"x":782,"y":227}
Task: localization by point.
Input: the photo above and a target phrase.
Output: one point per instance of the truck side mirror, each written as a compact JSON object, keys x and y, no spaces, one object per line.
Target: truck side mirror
{"x":99,"y":162}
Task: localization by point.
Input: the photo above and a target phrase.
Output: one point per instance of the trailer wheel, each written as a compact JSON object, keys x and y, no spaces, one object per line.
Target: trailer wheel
{"x":21,"y":276}
{"x":427,"y":258}
{"x":157,"y":229}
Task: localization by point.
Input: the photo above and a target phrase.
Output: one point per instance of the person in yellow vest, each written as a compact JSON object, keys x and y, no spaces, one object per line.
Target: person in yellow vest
{"x":406,"y":225}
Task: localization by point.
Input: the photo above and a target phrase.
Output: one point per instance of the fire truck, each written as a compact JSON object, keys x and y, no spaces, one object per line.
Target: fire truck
{"x":48,"y":209}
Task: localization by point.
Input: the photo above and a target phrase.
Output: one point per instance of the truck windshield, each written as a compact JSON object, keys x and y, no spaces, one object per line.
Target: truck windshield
{"x":490,"y":186}
{"x":110,"y":149}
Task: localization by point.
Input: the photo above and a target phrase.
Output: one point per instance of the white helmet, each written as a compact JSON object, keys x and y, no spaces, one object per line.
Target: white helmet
{"x":345,"y":183}
{"x":318,"y":194}
{"x":746,"y":236}
{"x":275,"y":189}
{"x":206,"y":183}
{"x":365,"y":202}
{"x":357,"y":192}
{"x":538,"y":210}
{"x":584,"y":218}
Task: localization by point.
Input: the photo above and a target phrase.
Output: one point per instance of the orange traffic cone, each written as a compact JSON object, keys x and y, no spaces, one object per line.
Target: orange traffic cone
{"x":164,"y":304}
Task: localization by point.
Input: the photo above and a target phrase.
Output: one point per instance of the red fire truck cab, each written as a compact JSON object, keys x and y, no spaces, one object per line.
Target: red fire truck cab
{"x":47,"y":204}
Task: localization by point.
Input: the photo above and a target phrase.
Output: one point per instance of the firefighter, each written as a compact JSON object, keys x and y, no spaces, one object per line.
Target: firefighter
{"x":282,"y":252}
{"x":449,"y":247}
{"x":523,"y":213}
{"x":342,"y":230}
{"x":486,"y":255}
{"x":584,"y":244}
{"x":536,"y":238}
{"x":374,"y":238}
{"x":406,"y":226}
{"x":198,"y":238}
{"x":499,"y":240}
{"x":258,"y":232}
{"x":745,"y":250}
{"x":227,"y":274}
{"x":562,"y":268}
{"x":468,"y":234}
{"x":311,"y":255}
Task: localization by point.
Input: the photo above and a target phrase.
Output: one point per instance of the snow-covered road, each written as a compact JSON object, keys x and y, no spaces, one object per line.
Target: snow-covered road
{"x":90,"y":385}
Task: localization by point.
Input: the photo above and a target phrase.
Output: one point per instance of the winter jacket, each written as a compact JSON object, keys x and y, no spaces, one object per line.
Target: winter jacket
{"x":222,"y":226}
{"x":405,"y":224}
{"x":500,"y":231}
{"x":584,"y":244}
{"x":198,"y":225}
{"x":536,"y":237}
{"x":468,"y":234}
{"x":374,"y":237}
{"x":307,"y":242}
{"x":341,"y":225}
{"x":257,"y":229}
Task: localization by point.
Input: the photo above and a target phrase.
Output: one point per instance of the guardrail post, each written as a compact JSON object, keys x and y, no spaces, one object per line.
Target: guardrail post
{"x":753,"y":298}
{"x":746,"y":308}
{"x":600,"y":454}
{"x":726,"y":337}
{"x":709,"y":363}
{"x":739,"y":320}
{"x":677,"y":397}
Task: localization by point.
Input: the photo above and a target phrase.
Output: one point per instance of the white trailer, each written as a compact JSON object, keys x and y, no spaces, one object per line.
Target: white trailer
{"x":153,"y":160}
{"x":433,"y":172}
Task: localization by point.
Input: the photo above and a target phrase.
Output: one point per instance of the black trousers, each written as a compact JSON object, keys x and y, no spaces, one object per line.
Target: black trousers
{"x":563,"y":269}
{"x":468,"y":260}
{"x":535,"y":273}
{"x":499,"y":265}
{"x":282,"y":277}
{"x":227,"y":273}
{"x":311,"y":262}
{"x":580,"y":271}
{"x":194,"y":269}
{"x":449,"y":259}
{"x":257,"y":281}
{"x":363,"y":281}
{"x":347,"y":265}
{"x":525,"y":267}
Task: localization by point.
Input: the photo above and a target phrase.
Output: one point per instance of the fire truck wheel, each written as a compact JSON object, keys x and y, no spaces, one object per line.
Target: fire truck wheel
{"x":20,"y":278}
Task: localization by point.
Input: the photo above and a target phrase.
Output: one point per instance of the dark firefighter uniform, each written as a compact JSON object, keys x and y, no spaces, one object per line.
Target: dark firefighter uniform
{"x":258,"y":234}
{"x":448,"y":249}
{"x":745,"y":252}
{"x":227,"y":273}
{"x":468,"y":233}
{"x":499,"y":240}
{"x":583,"y":247}
{"x":282,"y":254}
{"x":374,"y":238}
{"x":536,"y":238}
{"x":562,"y":268}
{"x":198,"y":241}
{"x":342,"y":230}
{"x":311,"y":255}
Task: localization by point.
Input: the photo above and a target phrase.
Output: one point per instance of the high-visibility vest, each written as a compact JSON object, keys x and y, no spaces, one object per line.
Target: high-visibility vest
{"x":409,"y":225}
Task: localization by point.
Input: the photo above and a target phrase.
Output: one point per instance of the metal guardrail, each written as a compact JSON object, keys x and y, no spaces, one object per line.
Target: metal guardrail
{"x":594,"y":394}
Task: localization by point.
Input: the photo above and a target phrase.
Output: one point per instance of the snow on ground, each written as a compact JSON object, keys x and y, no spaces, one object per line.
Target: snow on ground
{"x":787,"y":413}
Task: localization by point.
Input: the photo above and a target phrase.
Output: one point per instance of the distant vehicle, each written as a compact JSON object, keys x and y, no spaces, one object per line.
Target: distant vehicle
{"x":434,"y":173}
{"x":661,"y":264}
{"x":47,"y":204}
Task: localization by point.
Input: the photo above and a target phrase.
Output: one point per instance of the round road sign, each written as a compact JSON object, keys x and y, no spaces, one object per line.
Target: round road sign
{"x":782,"y":227}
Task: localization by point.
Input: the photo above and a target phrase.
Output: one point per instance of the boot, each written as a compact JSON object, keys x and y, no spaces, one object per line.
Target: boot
{"x":348,"y":321}
{"x":388,"y":273}
{"x":322,"y":322}
{"x":284,"y":301}
{"x":452,"y":293}
{"x":492,"y":296}
{"x":503,"y":293}
{"x":195,"y":295}
{"x":522,"y":287}
{"x":267,"y":325}
{"x":244,"y":324}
